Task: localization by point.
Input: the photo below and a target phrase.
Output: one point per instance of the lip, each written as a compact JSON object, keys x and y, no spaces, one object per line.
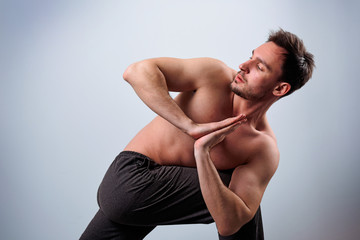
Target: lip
{"x":239,"y":78}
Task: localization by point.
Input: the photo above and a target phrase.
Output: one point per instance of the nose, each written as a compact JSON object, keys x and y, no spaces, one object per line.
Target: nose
{"x":244,"y":67}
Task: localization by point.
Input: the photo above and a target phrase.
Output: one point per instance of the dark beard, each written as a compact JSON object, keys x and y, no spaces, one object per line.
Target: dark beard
{"x":238,"y":92}
{"x":246,"y":95}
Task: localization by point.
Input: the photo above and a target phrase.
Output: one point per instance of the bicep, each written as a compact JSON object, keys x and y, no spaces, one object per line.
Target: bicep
{"x":250,"y":181}
{"x":190,"y":74}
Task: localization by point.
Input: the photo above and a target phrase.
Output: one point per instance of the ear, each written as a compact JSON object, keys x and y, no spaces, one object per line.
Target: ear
{"x":281,"y":89}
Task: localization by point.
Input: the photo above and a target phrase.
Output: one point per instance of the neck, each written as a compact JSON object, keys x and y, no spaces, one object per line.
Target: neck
{"x":255,"y":111}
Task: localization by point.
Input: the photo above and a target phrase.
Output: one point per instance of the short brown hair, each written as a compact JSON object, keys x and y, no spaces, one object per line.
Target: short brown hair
{"x":298,"y":63}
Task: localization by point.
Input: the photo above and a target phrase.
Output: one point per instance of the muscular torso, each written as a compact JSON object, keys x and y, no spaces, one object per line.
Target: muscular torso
{"x":167,"y":145}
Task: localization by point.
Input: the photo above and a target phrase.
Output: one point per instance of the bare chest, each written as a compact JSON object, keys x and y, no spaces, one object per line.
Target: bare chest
{"x":205,"y":106}
{"x":235,"y":150}
{"x":167,"y":145}
{"x":177,"y":148}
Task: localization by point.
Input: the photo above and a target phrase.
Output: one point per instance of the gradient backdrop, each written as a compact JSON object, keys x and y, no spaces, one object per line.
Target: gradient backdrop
{"x":66,"y":113}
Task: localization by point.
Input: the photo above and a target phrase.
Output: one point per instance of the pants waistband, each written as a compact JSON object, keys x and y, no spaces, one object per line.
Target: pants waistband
{"x":140,"y":159}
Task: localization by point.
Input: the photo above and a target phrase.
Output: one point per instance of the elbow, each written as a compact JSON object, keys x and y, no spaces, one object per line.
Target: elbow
{"x":230,"y":227}
{"x":129,"y":72}
{"x":139,"y":71}
{"x":229,"y":230}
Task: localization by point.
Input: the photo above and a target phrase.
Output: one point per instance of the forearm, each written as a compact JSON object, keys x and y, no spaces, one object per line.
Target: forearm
{"x":228,"y":210}
{"x":150,"y":85}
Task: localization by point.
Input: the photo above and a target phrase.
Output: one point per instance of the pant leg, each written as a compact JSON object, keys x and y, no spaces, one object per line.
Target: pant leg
{"x":136,"y":195}
{"x":137,"y":191}
{"x":101,"y":228}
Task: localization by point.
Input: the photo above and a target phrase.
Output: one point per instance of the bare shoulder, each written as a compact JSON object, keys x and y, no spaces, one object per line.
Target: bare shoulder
{"x":250,"y":180}
{"x":212,"y":64}
{"x":211,"y":68}
{"x":265,"y":155}
{"x":215,"y":74}
{"x":256,"y":173}
{"x":206,"y":67}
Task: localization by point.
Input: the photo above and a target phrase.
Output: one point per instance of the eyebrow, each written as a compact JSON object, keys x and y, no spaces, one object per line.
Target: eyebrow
{"x":262,"y":61}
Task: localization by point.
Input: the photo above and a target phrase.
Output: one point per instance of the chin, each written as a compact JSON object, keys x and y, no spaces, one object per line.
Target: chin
{"x":239,"y":93}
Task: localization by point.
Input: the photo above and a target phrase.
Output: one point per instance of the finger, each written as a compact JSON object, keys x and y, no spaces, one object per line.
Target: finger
{"x":214,"y":126}
{"x":230,"y":121}
{"x":239,"y":118}
{"x":228,"y":129}
{"x":219,"y":135}
{"x":231,"y":127}
{"x":236,"y":118}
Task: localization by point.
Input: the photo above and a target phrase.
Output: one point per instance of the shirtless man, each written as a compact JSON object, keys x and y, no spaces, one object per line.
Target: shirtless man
{"x":217,"y":123}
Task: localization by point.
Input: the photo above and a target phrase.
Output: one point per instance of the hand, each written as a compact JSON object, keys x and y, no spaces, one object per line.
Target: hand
{"x":224,"y":128}
{"x":199,"y":130}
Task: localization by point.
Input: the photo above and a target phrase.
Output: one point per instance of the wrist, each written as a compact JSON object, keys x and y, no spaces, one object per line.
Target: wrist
{"x":200,"y":152}
{"x":190,"y":128}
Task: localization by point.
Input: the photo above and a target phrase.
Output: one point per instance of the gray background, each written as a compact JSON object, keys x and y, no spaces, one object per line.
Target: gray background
{"x":66,"y":113}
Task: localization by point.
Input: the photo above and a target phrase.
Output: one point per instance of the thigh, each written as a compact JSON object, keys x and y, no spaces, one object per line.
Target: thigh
{"x":137,"y":191}
{"x":101,"y":228}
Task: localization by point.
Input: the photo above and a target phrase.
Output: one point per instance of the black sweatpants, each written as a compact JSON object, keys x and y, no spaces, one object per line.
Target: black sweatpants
{"x":137,"y":194}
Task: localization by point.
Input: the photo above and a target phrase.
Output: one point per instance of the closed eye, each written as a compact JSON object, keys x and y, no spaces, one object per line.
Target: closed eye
{"x":259,"y":67}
